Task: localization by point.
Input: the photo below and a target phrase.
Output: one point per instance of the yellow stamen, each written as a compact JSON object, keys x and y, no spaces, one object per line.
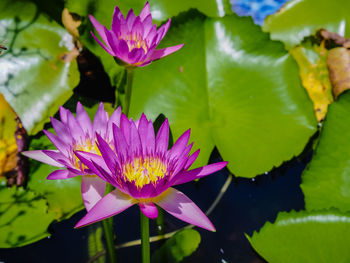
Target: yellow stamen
{"x":135,"y":41}
{"x":86,"y":146}
{"x":142,"y":171}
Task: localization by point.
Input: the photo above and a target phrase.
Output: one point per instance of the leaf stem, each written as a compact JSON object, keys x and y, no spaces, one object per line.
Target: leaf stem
{"x":145,"y":246}
{"x":129,"y":79}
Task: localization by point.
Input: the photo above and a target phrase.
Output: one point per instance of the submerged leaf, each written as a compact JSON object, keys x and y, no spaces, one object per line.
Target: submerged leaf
{"x":179,"y":246}
{"x":306,"y":237}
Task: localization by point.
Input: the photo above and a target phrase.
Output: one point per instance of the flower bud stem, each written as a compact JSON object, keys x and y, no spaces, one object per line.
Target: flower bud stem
{"x":144,"y":221}
{"x":129,"y":79}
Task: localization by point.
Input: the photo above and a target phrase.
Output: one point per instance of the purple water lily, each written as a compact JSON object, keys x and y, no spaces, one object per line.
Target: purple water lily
{"x":142,"y":169}
{"x":78,"y":133}
{"x":133,"y":40}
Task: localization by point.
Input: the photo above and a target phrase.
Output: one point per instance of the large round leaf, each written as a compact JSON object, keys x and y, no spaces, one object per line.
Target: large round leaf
{"x":24,"y":217}
{"x":326,"y":182}
{"x":301,"y":18}
{"x":305,"y":237}
{"x":34,"y":77}
{"x":234,"y":88}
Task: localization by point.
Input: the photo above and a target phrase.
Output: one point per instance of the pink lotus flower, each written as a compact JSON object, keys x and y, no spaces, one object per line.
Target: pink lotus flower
{"x":77,"y":133}
{"x":133,"y":41}
{"x":143,"y":171}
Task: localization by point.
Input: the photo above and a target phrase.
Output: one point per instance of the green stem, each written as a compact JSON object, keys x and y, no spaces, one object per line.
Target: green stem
{"x":129,"y":79}
{"x":107,"y":225}
{"x":145,"y":238}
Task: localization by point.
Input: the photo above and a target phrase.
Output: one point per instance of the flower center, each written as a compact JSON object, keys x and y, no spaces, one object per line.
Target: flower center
{"x":142,"y":171}
{"x":85,"y":146}
{"x":135,"y":41}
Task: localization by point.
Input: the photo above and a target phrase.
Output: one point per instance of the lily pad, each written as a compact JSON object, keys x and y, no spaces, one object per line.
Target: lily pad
{"x":326,"y":181}
{"x":34,"y":78}
{"x":304,"y":237}
{"x":300,"y":18}
{"x":179,"y":246}
{"x":24,"y":217}
{"x":234,"y":87}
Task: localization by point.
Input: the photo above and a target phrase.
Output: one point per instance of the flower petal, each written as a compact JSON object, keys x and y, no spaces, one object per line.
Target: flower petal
{"x":105,"y":47}
{"x":149,"y":209}
{"x":40,"y":156}
{"x":162,"y":31}
{"x":108,"y":155}
{"x":113,"y":203}
{"x":179,"y":205}
{"x":136,"y":55}
{"x":60,"y":145}
{"x":130,"y":18}
{"x":89,"y":159}
{"x":100,"y":121}
{"x":120,"y":143}
{"x":92,"y":190}
{"x":100,"y":30}
{"x":157,"y":54}
{"x":115,"y":118}
{"x":191,"y":159}
{"x":162,"y":139}
{"x":63,"y":115}
{"x":180,"y":145}
{"x":62,"y":130}
{"x":118,"y":18}
{"x":60,"y":174}
{"x":135,"y":142}
{"x":146,"y":11}
{"x":197,"y":173}
{"x":147,"y":25}
{"x":84,"y":119}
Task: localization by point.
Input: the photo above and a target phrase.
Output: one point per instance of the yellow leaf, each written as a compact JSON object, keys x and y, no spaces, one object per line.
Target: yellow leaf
{"x":315,"y":78}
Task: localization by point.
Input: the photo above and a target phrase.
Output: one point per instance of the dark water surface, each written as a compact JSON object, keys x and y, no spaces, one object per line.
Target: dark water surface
{"x":244,"y":208}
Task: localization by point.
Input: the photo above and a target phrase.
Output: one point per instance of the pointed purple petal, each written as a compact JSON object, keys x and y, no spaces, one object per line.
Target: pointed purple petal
{"x":162,"y":31}
{"x":62,"y":130}
{"x":179,"y":205}
{"x":147,"y":25}
{"x":191,"y":159}
{"x":149,"y":209}
{"x":100,"y":121}
{"x":123,"y":50}
{"x":60,"y":174}
{"x":125,"y":127}
{"x":110,"y":205}
{"x":92,"y":190}
{"x":180,"y":145}
{"x":75,"y":128}
{"x":117,"y":19}
{"x":198,"y":173}
{"x":100,"y":30}
{"x":137,"y":27}
{"x":130,"y":18}
{"x":121,"y":146}
{"x":157,"y":54}
{"x":108,"y":155}
{"x":146,"y":11}
{"x":112,"y":41}
{"x":40,"y":156}
{"x":107,"y":48}
{"x":87,"y":158}
{"x":58,"y":157}
{"x":135,"y":142}
{"x":63,"y":115}
{"x":162,"y":139}
{"x":115,"y":118}
{"x":84,"y":119}
{"x":136,"y":55}
{"x":60,"y":145}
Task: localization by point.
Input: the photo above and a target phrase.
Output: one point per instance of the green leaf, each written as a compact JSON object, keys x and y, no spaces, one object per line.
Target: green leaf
{"x":179,"y":246}
{"x":300,"y":18}
{"x":233,"y":87}
{"x":34,"y":78}
{"x":326,"y":181}
{"x":24,"y":217}
{"x":305,"y":237}
{"x":63,"y":196}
